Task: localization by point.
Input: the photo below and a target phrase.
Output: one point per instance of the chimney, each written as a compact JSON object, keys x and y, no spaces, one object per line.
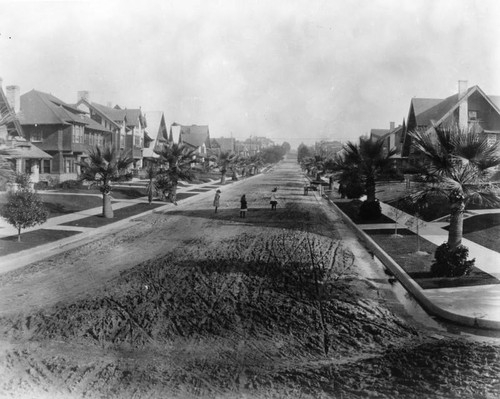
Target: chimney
{"x":109,"y":104}
{"x":1,"y":83}
{"x":463,"y":108}
{"x":392,"y":125}
{"x":83,"y":95}
{"x":14,"y":98}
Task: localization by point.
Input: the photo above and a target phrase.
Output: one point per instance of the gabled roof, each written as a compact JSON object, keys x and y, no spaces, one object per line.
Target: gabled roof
{"x":113,"y":114}
{"x":156,"y":131}
{"x":43,"y":108}
{"x":96,"y":108}
{"x":378,"y":132}
{"x":194,"y":135}
{"x":421,"y":105}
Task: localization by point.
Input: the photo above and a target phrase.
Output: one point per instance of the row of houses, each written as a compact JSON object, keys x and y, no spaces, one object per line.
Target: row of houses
{"x":470,"y":108}
{"x":48,"y":138}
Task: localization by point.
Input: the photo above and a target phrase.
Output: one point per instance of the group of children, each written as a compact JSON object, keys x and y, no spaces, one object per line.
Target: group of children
{"x":243,"y":202}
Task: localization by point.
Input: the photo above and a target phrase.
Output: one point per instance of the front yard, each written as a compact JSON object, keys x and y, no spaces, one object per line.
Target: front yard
{"x":416,"y":260}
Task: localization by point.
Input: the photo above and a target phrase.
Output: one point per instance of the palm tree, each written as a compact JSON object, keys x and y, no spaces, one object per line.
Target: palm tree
{"x":366,"y":159}
{"x":224,"y":162}
{"x":151,"y":172}
{"x":103,"y":166}
{"x":458,"y":163}
{"x":177,"y":159}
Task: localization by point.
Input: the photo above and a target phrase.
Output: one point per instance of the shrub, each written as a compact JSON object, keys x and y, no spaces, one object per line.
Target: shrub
{"x":370,"y":210}
{"x":23,"y":180}
{"x":70,"y":184}
{"x":448,"y":263}
{"x":354,"y":190}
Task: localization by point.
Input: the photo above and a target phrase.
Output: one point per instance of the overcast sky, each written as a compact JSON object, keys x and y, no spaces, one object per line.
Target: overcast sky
{"x":296,"y":71}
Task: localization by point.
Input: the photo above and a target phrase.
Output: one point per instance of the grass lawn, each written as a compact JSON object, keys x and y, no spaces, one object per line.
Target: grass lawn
{"x":31,"y":239}
{"x":403,"y":250}
{"x":119,"y":214}
{"x":63,"y":204}
{"x":483,"y":230}
{"x":351,"y":209}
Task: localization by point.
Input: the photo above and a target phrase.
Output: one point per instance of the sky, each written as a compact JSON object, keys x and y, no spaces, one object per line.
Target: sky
{"x":294,"y":71}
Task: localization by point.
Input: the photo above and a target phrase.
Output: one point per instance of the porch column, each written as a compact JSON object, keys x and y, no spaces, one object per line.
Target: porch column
{"x":35,"y":172}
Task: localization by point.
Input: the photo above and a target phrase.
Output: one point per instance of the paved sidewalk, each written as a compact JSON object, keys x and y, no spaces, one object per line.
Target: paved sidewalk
{"x":478,"y":302}
{"x":477,"y":306}
{"x":8,"y":230}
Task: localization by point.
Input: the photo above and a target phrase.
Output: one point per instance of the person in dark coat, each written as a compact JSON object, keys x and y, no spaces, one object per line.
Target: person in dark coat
{"x":274,"y":200}
{"x":243,"y":207}
{"x":217,"y":200}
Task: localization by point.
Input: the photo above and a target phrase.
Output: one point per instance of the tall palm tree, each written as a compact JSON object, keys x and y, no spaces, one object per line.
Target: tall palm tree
{"x":225,"y":161}
{"x":151,"y":172}
{"x":367,"y":158}
{"x":103,"y":166}
{"x":458,"y":163}
{"x":176,"y":159}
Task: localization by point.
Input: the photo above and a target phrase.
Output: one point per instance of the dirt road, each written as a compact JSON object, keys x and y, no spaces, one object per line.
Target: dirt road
{"x":188,"y":303}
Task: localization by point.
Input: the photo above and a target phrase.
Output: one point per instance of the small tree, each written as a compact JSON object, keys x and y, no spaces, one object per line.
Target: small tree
{"x":416,"y":223}
{"x":24,"y":208}
{"x":396,"y":214}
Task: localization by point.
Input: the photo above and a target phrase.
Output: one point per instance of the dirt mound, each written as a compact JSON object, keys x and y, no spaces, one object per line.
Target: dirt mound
{"x":257,"y":304}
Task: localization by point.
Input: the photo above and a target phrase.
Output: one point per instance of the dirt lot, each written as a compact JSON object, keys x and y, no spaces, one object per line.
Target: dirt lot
{"x":190,"y":304}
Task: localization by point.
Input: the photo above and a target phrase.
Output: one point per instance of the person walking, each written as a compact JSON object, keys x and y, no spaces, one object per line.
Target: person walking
{"x":217,"y":200}
{"x":274,"y":200}
{"x":243,"y":207}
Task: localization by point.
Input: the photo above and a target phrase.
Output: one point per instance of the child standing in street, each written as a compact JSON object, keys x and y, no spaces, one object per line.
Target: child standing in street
{"x":243,"y":207}
{"x":274,"y":200}
{"x":216,"y":200}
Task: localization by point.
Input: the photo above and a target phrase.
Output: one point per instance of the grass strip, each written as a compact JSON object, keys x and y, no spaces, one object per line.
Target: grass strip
{"x":32,"y":239}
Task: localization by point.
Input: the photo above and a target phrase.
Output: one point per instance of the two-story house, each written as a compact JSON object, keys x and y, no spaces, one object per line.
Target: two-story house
{"x":470,"y":109}
{"x":23,"y":155}
{"x":127,"y":126}
{"x":61,"y":130}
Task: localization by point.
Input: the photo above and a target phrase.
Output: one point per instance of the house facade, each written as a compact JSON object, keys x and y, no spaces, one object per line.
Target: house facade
{"x":156,"y":136}
{"x":127,"y":127}
{"x":62,"y":131}
{"x":470,"y":109}
{"x":196,"y":137}
{"x":22,"y":154}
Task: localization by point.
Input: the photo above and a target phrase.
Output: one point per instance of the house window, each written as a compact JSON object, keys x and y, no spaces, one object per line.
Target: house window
{"x":77,"y":134}
{"x":36,"y":136}
{"x":45,"y":165}
{"x":122,"y":141}
{"x":69,"y":165}
{"x":473,"y":116}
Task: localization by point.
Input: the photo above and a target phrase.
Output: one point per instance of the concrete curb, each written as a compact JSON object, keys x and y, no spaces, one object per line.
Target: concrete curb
{"x":411,"y":286}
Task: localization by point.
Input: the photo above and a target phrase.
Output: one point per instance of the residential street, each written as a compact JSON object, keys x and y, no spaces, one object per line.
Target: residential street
{"x":188,"y":303}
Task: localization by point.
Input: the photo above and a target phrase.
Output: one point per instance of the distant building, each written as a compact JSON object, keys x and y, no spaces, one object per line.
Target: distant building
{"x":328,"y":149}
{"x":155,"y":137}
{"x":194,"y":136}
